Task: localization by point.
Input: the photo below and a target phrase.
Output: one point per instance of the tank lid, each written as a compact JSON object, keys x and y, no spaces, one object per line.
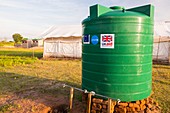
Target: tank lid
{"x":117,"y":7}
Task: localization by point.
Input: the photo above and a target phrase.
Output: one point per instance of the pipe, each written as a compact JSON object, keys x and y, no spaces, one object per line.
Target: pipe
{"x":92,"y":92}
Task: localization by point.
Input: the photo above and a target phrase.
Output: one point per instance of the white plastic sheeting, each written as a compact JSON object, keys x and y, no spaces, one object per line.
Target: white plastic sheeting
{"x":161,"y":51}
{"x":161,"y":39}
{"x":62,"y":49}
{"x":62,"y":31}
{"x":161,"y":29}
{"x":62,"y":41}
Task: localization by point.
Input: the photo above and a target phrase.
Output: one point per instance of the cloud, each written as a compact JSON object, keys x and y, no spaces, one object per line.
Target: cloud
{"x":11,"y":26}
{"x":29,"y":16}
{"x":16,"y":4}
{"x":161,"y":8}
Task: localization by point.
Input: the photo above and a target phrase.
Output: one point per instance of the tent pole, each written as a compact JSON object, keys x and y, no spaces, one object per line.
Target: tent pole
{"x":158,"y":50}
{"x":169,"y":52}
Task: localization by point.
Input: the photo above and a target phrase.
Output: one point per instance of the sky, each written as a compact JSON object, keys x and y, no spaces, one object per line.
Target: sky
{"x":32,"y":17}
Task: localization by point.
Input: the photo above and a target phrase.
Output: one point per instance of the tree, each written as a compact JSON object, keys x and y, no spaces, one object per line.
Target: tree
{"x":17,"y":37}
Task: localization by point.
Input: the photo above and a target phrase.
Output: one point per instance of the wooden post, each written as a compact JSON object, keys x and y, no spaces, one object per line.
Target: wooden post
{"x":71,"y":97}
{"x":89,"y":103}
{"x":109,"y":109}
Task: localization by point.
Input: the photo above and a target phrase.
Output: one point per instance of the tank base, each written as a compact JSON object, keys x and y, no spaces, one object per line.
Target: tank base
{"x":147,"y":105}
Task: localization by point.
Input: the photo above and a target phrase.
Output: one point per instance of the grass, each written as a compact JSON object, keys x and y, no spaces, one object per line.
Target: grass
{"x":21,"y":52}
{"x":6,"y":44}
{"x":42,"y":77}
{"x":46,"y":77}
{"x":18,"y":56}
{"x":161,"y":86}
{"x":14,"y":61}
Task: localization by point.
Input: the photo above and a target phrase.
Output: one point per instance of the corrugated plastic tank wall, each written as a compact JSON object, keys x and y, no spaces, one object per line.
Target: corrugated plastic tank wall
{"x":117,"y":52}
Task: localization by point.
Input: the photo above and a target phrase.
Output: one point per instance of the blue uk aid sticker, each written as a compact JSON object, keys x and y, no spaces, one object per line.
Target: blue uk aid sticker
{"x":94,"y":39}
{"x":86,"y":39}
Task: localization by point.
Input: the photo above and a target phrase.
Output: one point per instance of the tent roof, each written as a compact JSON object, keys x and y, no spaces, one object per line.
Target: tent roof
{"x":162,"y":29}
{"x":62,"y":31}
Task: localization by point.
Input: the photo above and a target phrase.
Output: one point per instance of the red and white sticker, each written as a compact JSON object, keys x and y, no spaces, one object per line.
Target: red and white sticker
{"x":107,"y":40}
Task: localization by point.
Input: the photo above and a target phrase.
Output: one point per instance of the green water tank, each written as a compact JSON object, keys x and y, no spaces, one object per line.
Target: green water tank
{"x":117,"y":52}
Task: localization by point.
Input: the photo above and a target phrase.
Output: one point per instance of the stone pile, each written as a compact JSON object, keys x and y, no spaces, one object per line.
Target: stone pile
{"x":142,"y":106}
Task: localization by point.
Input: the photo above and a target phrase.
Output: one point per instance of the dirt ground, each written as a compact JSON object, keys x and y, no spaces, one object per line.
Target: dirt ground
{"x":32,"y":101}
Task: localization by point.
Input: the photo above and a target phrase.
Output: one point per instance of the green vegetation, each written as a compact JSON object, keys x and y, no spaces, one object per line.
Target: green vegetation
{"x":38,"y":74}
{"x":44,"y":77}
{"x":21,"y":52}
{"x":6,"y":44}
{"x":25,"y":39}
{"x":161,"y":86}
{"x":18,"y":56}
{"x":15,"y":60}
{"x":17,"y":37}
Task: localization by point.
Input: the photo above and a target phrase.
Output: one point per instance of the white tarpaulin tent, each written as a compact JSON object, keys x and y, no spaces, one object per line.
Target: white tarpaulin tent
{"x":63,"y":41}
{"x":161,"y":47}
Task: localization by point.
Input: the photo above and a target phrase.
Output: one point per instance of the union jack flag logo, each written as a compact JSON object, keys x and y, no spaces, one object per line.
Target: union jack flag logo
{"x":107,"y":41}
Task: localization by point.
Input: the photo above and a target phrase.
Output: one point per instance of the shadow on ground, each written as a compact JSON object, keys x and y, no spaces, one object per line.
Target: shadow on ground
{"x":25,"y":93}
